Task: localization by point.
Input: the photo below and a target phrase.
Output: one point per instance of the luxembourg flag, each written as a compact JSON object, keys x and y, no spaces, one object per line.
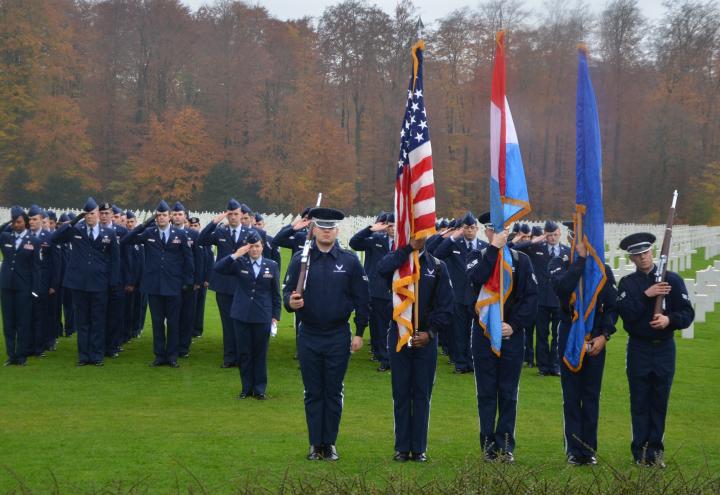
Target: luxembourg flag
{"x":509,"y":200}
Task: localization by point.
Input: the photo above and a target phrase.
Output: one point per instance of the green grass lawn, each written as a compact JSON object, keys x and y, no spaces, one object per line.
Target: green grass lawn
{"x":88,"y":430}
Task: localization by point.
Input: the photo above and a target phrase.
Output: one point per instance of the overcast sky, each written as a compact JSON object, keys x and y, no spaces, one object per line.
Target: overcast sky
{"x":430,"y":10}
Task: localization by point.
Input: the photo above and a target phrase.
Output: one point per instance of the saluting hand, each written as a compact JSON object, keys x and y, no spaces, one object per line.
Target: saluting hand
{"x":300,"y":223}
{"x":457,"y":233}
{"x":296,"y":301}
{"x":378,"y":227}
{"x":658,"y":289}
{"x":242,"y":250}
{"x":581,"y":249}
{"x":219,"y":218}
{"x":538,"y":239}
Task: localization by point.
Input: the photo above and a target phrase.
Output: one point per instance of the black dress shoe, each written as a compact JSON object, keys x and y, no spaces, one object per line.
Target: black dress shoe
{"x":99,"y":363}
{"x":243,"y":395}
{"x":543,"y":373}
{"x":227,"y":365}
{"x":9,"y":362}
{"x":421,"y":457}
{"x":157,"y":362}
{"x":591,"y":460}
{"x":315,"y":454}
{"x":506,"y":457}
{"x":460,"y":371}
{"x":401,"y":456}
{"x":555,"y":373}
{"x":260,"y":396}
{"x":382,"y":368}
{"x":173,"y":364}
{"x":82,"y":363}
{"x":574,"y":460}
{"x":490,"y":455}
{"x":330,"y":453}
{"x":185,"y":355}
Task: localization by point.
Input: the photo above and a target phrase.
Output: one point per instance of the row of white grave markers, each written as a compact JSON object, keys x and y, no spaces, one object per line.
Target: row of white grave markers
{"x":704,"y":290}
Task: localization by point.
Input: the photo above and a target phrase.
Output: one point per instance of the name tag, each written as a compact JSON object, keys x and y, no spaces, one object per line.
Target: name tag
{"x":540,"y":253}
{"x":379,"y":245}
{"x":456,"y":252}
{"x":78,"y":237}
{"x":244,"y":272}
{"x":267,"y":275}
{"x":106,"y":240}
{"x":221,"y":240}
{"x":176,"y":241}
{"x":151,"y":240}
{"x":29,"y":247}
{"x":8,"y":245}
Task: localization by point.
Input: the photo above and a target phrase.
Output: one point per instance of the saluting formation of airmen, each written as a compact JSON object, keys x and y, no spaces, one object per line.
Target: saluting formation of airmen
{"x":96,"y":273}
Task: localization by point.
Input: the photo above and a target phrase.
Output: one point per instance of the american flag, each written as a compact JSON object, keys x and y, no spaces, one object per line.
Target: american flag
{"x":414,"y":197}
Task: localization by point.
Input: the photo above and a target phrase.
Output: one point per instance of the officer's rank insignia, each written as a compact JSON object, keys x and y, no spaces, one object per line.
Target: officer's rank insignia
{"x":685,"y":296}
{"x":29,"y":247}
{"x":472,"y":264}
{"x":176,"y":241}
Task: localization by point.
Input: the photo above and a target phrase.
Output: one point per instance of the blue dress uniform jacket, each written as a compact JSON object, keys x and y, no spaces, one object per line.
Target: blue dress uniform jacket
{"x":256,"y":300}
{"x":650,"y":357}
{"x":43,"y":325}
{"x":497,"y":378}
{"x":581,"y":389}
{"x":168,"y":266}
{"x":290,"y":238}
{"x":413,"y":369}
{"x":336,"y":285}
{"x":19,"y":278}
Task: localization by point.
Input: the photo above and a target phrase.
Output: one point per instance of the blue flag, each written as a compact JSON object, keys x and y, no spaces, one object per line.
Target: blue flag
{"x":589,"y":217}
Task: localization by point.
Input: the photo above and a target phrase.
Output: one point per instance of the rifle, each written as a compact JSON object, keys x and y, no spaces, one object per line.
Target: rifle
{"x":664,"y":255}
{"x":305,"y":257}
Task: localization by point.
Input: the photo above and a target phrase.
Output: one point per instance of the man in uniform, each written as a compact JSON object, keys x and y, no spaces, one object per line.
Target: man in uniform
{"x":19,"y":285}
{"x":497,"y":377}
{"x":270,"y":249}
{"x":168,"y":270}
{"x":189,"y":293}
{"x":227,"y":240}
{"x":650,"y":362}
{"x":293,"y":236}
{"x":43,"y":325}
{"x":201,"y":293}
{"x":336,"y":285}
{"x":455,"y":251}
{"x":413,"y":367}
{"x":581,"y":388}
{"x":114,"y":330}
{"x":377,"y":241}
{"x":135,"y":256}
{"x":93,"y":267}
{"x":541,"y":250}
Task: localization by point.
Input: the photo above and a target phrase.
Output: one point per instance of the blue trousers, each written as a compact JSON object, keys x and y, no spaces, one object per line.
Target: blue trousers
{"x":413,"y":376}
{"x":380,"y":318}
{"x":17,"y":323}
{"x":529,"y":348}
{"x":68,"y":311}
{"x":462,"y":320}
{"x":40,"y":323}
{"x":224,"y":302}
{"x":252,"y":347}
{"x":165,"y":310}
{"x":199,"y":324}
{"x":90,"y":318}
{"x":115,"y":319}
{"x":497,"y":380}
{"x":650,"y":372}
{"x":187,"y":320}
{"x":581,"y":400}
{"x":324,"y":357}
{"x":546,"y":327}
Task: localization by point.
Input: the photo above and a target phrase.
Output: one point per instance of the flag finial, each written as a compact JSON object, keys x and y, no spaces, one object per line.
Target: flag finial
{"x":420,"y":45}
{"x":582,"y":48}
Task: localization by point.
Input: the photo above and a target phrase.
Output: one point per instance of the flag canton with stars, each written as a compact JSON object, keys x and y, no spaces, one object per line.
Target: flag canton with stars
{"x":415,"y":131}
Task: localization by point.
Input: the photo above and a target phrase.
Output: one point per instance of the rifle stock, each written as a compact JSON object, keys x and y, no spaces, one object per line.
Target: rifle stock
{"x":305,"y":257}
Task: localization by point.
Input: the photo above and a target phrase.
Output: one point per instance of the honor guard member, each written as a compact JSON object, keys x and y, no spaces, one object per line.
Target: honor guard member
{"x":270,"y":249}
{"x":256,"y":308}
{"x":189,"y":292}
{"x":377,"y":241}
{"x":497,"y":377}
{"x":116,"y":294}
{"x":133,"y":296}
{"x":167,"y":271}
{"x":455,"y":250}
{"x":581,"y":388}
{"x":293,"y":236}
{"x":92,"y":269}
{"x":336,"y":285}
{"x":650,"y":361}
{"x":19,"y":285}
{"x":43,"y":326}
{"x":119,"y":217}
{"x":227,"y":240}
{"x":413,"y":367}
{"x":541,"y":250}
{"x":201,"y":294}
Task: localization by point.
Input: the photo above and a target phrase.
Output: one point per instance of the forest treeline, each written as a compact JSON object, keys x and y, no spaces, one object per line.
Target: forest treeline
{"x":133,"y":100}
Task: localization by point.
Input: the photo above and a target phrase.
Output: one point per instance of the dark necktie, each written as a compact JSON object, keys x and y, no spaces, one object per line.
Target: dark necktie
{"x":90,"y":234}
{"x":163,"y":238}
{"x":232,"y":233}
